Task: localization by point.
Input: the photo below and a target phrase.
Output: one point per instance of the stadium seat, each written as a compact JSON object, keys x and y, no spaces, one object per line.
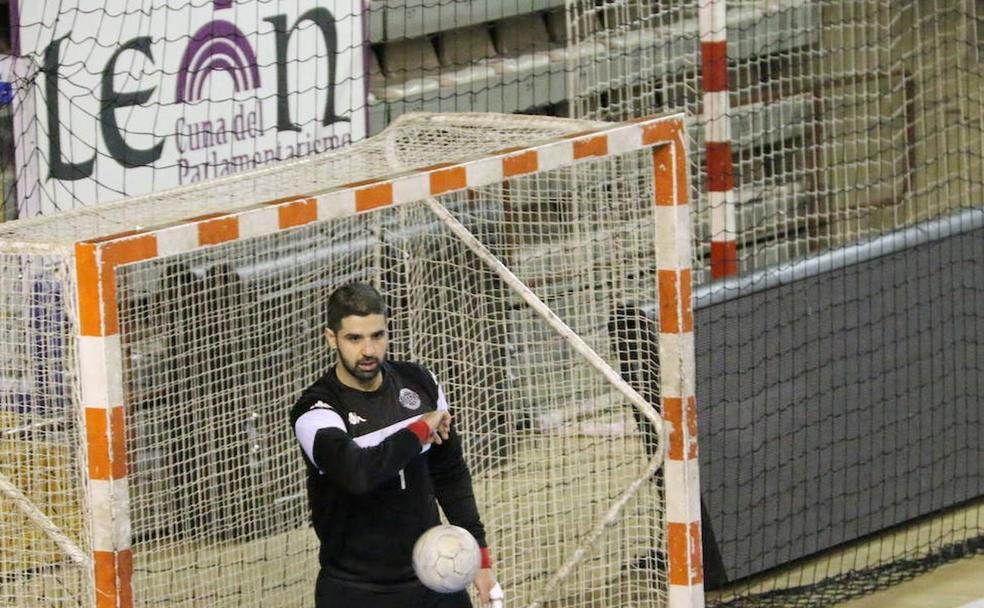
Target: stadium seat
{"x":467,"y":56}
{"x":411,"y":68}
{"x":557,"y":28}
{"x":524,"y":43}
{"x":377,"y":80}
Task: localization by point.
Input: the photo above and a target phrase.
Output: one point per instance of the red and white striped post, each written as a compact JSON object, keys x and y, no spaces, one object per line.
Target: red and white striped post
{"x":712,"y":15}
{"x":101,"y":387}
{"x":677,"y":370}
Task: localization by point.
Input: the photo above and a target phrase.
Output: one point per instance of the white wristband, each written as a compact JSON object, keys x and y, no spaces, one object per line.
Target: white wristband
{"x":496,"y":597}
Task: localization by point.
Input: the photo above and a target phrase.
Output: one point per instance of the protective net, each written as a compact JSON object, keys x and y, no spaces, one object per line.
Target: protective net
{"x":42,"y":528}
{"x":837,"y":374}
{"x":217,"y":344}
{"x":841,"y":420}
{"x":847,"y":119}
{"x":848,"y":122}
{"x":842,"y":125}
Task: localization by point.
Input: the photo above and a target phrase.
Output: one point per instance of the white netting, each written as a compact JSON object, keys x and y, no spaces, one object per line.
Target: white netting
{"x":847,"y":119}
{"x":221,"y":342}
{"x":44,"y":545}
{"x":218,"y":343}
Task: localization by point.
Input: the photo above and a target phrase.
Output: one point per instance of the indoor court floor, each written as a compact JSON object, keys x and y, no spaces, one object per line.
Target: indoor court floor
{"x":958,"y":584}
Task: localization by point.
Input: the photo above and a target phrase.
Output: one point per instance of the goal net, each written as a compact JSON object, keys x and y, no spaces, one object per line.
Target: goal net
{"x":152,"y":349}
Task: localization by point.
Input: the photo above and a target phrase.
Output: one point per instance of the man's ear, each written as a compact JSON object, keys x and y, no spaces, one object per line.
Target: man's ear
{"x":332,"y":339}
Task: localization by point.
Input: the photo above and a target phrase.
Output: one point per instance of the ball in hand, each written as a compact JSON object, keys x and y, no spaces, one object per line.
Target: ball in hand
{"x":446,"y":558}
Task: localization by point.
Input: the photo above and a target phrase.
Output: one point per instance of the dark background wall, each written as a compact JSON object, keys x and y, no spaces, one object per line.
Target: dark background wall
{"x":839,"y":403}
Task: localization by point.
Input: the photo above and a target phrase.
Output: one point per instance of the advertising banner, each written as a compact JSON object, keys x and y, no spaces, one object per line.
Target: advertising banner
{"x":18,"y":137}
{"x":132,"y":98}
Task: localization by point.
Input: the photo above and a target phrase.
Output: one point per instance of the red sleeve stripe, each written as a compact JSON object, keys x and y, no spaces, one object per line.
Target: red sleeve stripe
{"x":486,"y":560}
{"x":421,"y":430}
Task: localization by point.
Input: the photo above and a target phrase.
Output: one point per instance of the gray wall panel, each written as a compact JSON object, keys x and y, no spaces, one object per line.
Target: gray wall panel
{"x":838,"y":404}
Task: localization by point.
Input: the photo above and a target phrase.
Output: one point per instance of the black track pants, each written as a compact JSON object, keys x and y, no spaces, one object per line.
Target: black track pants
{"x":330,"y":593}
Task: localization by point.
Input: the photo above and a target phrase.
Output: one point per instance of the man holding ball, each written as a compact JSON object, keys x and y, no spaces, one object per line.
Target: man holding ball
{"x":380,"y":448}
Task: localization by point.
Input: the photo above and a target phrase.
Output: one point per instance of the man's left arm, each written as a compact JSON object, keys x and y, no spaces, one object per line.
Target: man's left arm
{"x":454,"y":492}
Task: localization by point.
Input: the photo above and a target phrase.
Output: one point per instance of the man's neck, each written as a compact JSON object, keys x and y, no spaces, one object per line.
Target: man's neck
{"x":351,"y":381}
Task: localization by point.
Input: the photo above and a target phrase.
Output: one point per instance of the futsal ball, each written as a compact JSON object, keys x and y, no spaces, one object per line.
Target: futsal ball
{"x":446,"y":558}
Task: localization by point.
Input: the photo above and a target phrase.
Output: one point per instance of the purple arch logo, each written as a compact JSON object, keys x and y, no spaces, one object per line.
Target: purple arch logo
{"x":218,"y":46}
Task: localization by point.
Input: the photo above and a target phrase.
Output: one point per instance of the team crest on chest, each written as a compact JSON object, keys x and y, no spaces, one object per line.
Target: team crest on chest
{"x":409,"y":399}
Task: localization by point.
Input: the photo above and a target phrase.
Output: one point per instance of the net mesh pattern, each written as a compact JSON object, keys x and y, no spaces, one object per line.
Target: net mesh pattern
{"x":847,"y":120}
{"x":219,"y":343}
{"x":41,"y":458}
{"x":850,"y":461}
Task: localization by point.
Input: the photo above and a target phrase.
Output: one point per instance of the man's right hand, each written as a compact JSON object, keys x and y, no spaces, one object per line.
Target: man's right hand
{"x":439,"y":423}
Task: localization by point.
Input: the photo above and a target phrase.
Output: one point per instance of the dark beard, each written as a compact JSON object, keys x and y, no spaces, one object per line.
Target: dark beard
{"x":362,"y":376}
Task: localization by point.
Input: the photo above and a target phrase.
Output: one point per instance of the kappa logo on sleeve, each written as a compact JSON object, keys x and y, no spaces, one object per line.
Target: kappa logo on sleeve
{"x":321,"y":405}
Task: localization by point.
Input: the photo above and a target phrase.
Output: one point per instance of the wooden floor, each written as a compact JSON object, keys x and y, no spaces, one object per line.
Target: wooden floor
{"x":958,"y":584}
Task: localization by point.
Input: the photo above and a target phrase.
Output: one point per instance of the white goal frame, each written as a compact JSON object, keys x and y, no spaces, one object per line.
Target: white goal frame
{"x":100,"y":357}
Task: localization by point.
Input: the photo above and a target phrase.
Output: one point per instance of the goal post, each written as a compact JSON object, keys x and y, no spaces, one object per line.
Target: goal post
{"x":505,"y":246}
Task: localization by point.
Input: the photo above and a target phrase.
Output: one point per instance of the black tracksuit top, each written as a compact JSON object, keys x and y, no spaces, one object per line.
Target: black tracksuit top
{"x":371,"y":485}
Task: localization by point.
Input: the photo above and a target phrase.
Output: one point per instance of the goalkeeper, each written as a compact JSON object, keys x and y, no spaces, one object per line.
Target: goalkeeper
{"x":379,"y":448}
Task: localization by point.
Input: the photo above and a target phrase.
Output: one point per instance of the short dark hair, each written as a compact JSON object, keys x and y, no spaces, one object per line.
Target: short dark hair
{"x":359,"y":299}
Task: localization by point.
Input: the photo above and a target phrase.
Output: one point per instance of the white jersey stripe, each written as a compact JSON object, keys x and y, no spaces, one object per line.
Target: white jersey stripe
{"x":308,"y":425}
{"x":378,"y":436}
